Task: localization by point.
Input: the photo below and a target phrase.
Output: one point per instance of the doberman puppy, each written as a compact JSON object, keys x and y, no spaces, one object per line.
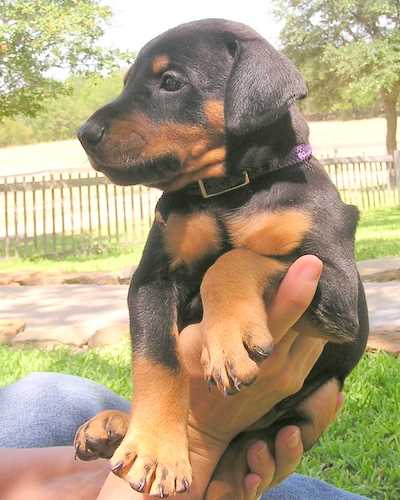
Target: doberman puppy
{"x":208,"y":115}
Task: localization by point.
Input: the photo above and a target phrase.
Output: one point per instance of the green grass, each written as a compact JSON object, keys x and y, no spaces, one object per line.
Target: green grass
{"x":105,"y":261}
{"x":110,"y":367}
{"x":378,"y":234}
{"x":360,"y":453}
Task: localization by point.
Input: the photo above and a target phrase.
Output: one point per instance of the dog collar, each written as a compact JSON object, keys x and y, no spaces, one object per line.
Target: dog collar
{"x":208,"y":188}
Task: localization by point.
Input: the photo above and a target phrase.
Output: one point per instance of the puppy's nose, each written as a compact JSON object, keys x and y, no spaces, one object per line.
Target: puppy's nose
{"x":91,"y":133}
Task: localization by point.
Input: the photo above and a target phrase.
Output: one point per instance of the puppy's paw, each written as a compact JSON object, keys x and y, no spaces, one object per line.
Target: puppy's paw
{"x":153,"y":463}
{"x":230,"y":354}
{"x":100,"y":436}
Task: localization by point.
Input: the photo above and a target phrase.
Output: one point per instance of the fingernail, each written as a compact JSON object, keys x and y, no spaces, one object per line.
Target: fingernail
{"x":293,"y":440}
{"x":117,"y":468}
{"x":260,"y":449}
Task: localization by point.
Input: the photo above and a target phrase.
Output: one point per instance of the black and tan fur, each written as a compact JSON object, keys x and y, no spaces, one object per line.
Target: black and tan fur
{"x":209,"y":100}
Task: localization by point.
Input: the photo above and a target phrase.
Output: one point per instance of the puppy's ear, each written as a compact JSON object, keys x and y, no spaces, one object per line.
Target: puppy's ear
{"x":262,"y":85}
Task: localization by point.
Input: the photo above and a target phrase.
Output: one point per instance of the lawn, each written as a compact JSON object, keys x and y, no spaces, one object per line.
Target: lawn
{"x":360,"y":453}
{"x":112,"y":260}
{"x":378,"y":234}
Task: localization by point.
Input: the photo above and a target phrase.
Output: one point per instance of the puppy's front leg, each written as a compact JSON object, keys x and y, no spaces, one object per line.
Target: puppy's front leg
{"x":234,"y":292}
{"x":153,"y":457}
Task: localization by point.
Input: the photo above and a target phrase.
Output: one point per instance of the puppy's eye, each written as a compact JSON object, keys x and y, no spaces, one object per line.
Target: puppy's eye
{"x":170,"y":83}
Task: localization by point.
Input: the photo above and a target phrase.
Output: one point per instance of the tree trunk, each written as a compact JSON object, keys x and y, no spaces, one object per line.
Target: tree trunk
{"x":389,"y":103}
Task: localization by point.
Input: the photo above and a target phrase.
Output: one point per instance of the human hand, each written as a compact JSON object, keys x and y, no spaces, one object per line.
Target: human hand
{"x":282,"y":374}
{"x":267,"y":471}
{"x":213,"y":419}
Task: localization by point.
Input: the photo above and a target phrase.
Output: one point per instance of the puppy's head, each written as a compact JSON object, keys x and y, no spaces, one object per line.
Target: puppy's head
{"x":189,"y":91}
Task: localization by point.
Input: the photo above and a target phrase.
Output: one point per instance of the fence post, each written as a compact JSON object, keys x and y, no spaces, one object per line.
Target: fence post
{"x":396,"y":162}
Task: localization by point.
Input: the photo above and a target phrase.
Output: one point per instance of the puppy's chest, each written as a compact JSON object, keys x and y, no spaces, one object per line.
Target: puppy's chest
{"x":189,"y":239}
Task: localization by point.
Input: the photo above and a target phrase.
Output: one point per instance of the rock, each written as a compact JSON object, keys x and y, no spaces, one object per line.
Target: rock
{"x":66,"y":335}
{"x":5,"y":279}
{"x":378,"y":269}
{"x":110,"y":335}
{"x":124,"y":277}
{"x":91,"y":279}
{"x":385,"y":339}
{"x":389,"y":275}
{"x":30,"y":278}
{"x":9,"y":328}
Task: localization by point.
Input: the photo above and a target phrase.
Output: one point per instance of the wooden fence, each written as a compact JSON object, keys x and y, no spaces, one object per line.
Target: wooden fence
{"x":368,"y":181}
{"x":83,"y":213}
{"x":71,"y":214}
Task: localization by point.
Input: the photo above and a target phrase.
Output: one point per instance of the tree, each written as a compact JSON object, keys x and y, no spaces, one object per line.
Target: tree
{"x":43,"y":39}
{"x":349,"y":52}
{"x":62,"y":116}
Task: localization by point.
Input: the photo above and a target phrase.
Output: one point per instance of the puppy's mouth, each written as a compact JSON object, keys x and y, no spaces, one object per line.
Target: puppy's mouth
{"x":151,"y":173}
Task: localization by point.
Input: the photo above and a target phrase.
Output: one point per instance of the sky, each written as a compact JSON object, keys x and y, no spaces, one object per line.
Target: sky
{"x":135,"y":23}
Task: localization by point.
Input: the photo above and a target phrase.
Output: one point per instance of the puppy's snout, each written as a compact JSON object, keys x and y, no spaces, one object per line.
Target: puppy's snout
{"x":91,"y":133}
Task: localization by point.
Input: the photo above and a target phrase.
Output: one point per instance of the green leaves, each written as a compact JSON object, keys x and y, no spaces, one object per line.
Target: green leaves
{"x":355,"y":42}
{"x":42,"y":39}
{"x":348,"y":50}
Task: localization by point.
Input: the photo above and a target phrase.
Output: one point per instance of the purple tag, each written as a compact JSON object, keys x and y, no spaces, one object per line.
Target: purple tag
{"x":299,"y":153}
{"x":303,"y":151}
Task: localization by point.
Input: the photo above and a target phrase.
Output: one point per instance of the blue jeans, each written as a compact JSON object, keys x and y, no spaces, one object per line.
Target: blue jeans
{"x":45,"y":409}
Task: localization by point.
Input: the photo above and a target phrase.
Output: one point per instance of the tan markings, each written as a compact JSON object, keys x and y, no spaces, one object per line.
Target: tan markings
{"x":100,"y":436}
{"x":235,"y":321}
{"x":160,"y":63}
{"x":199,"y":148}
{"x":243,"y":276}
{"x":145,"y":139}
{"x":276,"y":233}
{"x":159,"y":418}
{"x":136,"y":139}
{"x":158,"y":387}
{"x":159,"y":219}
{"x":174,"y":138}
{"x":120,"y":421}
{"x":212,"y":157}
{"x":189,"y":238}
{"x":186,"y":178}
{"x":214,"y":112}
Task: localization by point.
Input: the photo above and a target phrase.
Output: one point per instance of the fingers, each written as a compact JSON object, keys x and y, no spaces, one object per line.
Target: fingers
{"x":294,"y":294}
{"x":190,"y":344}
{"x":322,"y":406}
{"x":262,"y":470}
{"x":288,"y":452}
{"x":265,"y":471}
